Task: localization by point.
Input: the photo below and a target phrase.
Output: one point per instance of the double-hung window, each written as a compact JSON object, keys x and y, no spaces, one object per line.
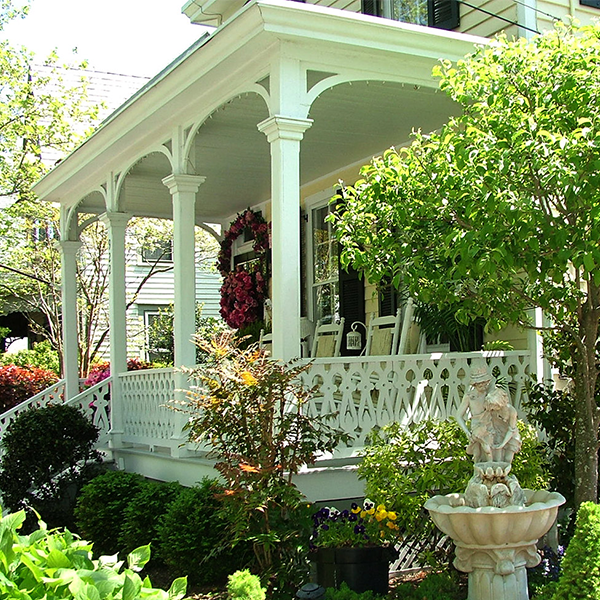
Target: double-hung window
{"x":443,"y":14}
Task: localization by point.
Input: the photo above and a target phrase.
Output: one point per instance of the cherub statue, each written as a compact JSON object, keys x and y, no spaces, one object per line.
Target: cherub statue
{"x":494,"y":435}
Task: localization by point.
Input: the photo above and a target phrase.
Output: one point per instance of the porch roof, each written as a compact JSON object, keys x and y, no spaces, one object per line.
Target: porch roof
{"x":366,"y":83}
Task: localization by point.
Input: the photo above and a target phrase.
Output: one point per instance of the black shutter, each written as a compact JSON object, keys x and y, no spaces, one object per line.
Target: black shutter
{"x":352,"y":303}
{"x":303,"y":259}
{"x":388,"y":300}
{"x":443,"y":14}
{"x":371,"y":7}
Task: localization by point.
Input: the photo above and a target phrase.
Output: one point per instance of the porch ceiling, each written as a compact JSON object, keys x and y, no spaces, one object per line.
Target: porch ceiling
{"x":352,"y":121}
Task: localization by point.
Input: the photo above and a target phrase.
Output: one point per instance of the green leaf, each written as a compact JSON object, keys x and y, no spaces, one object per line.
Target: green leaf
{"x":138,"y":558}
{"x":58,"y":559}
{"x":178,"y":588}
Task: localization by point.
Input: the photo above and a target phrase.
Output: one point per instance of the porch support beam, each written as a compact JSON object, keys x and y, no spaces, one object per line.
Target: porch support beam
{"x":284,"y":135}
{"x":70,"y":358}
{"x":116,"y":222}
{"x":183,"y":190}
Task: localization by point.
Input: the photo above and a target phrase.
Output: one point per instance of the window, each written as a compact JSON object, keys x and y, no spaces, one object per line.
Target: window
{"x":161,"y":252}
{"x":443,"y":14}
{"x":325,"y":280}
{"x":333,"y":292}
{"x":592,"y":3}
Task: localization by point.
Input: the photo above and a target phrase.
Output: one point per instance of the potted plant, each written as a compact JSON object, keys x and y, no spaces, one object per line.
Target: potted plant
{"x":354,"y":546}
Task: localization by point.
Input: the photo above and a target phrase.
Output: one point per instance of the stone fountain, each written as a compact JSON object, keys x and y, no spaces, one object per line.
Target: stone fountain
{"x":494,"y":524}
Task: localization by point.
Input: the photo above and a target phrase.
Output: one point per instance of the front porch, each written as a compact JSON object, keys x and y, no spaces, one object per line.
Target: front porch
{"x":363,"y":392}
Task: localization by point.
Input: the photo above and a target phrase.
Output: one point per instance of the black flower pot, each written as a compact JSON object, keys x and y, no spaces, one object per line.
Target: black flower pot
{"x":361,"y":569}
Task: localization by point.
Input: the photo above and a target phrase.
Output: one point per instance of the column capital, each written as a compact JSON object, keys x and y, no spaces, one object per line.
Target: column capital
{"x":183,"y":183}
{"x":115,"y":219}
{"x":285,"y":128}
{"x":68,"y":247}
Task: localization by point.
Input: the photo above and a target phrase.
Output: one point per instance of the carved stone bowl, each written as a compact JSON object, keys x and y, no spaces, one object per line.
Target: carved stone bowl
{"x":491,"y":526}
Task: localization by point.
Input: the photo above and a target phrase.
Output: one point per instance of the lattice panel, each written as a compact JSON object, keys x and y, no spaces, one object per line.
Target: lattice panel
{"x":52,"y":395}
{"x":368,"y":393}
{"x":146,"y":416}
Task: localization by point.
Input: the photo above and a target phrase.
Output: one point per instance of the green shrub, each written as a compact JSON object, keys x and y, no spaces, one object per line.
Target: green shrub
{"x":553,"y":411}
{"x":57,"y":565}
{"x":404,"y":466}
{"x":194,"y":537}
{"x":438,"y":586}
{"x":47,"y":455}
{"x":101,"y":506}
{"x":242,"y":585}
{"x":580,"y":575}
{"x":42,"y":356}
{"x":18,"y":384}
{"x":143,"y":513}
{"x":345,"y":593}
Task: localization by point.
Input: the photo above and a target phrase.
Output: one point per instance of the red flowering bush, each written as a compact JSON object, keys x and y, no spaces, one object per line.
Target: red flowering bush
{"x":101,"y":371}
{"x":18,"y":384}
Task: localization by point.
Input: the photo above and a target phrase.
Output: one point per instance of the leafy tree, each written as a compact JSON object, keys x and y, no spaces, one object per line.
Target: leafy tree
{"x":37,"y":113}
{"x":499,"y":211}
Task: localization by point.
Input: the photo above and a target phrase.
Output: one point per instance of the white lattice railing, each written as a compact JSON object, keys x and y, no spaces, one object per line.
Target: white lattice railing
{"x":146,"y":416}
{"x":94,"y":402}
{"x":370,"y":392}
{"x":363,"y":392}
{"x":52,"y":395}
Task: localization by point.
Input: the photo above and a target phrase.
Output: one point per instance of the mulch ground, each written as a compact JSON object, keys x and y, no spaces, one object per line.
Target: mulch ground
{"x":162,"y":579}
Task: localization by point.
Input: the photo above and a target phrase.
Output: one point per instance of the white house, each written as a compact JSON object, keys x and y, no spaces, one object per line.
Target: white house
{"x":284,"y":99}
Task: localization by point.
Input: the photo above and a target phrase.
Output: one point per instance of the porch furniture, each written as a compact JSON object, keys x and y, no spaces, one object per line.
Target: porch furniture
{"x":327,"y":340}
{"x":383,"y":334}
{"x":265,"y":341}
{"x":408,"y":313}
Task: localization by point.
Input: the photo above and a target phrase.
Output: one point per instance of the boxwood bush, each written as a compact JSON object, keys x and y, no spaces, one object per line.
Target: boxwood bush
{"x":47,"y":457}
{"x":195,"y":539}
{"x":143,"y":515}
{"x":101,"y":506}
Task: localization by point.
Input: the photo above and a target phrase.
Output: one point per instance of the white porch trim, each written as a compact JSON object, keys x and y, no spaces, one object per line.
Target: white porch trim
{"x":69,"y":251}
{"x":284,"y":135}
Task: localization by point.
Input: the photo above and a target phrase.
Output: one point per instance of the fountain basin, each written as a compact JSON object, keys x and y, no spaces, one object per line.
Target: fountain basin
{"x":491,"y":526}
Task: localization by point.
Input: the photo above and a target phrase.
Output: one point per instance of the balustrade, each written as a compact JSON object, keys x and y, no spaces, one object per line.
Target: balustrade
{"x":362,"y":392}
{"x":367,"y":392}
{"x":147,"y":419}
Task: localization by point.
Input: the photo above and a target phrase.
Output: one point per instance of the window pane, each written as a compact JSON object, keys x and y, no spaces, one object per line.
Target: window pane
{"x":408,"y":11}
{"x":327,"y":303}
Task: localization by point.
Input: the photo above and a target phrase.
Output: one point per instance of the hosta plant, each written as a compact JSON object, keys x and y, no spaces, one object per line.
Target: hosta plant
{"x":56,"y":564}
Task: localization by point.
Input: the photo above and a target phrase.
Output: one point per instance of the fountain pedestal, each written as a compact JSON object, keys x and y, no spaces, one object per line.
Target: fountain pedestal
{"x":495,"y":545}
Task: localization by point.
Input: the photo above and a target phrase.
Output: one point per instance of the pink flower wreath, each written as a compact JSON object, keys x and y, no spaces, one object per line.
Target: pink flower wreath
{"x":245,"y":288}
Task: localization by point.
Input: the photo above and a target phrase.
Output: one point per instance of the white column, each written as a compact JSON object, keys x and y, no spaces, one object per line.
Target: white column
{"x":116,"y":223}
{"x":69,"y":316}
{"x":284,"y":135}
{"x":183,"y":189}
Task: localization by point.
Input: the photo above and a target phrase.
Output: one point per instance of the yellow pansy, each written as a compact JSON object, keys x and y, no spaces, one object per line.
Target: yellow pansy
{"x":392,"y":515}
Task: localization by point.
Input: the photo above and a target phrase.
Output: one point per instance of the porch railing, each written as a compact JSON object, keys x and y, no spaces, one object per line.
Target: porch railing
{"x":146,"y":417}
{"x":363,"y":392}
{"x":94,"y":402}
{"x":371,"y":392}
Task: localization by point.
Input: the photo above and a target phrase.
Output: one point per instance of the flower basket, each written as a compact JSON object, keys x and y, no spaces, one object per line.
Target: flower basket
{"x":362,"y":569}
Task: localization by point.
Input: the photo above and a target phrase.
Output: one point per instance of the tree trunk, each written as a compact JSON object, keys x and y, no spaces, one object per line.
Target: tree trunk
{"x":586,"y":410}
